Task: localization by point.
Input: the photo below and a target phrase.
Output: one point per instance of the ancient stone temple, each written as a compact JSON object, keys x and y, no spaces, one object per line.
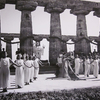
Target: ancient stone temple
{"x":57,"y":41}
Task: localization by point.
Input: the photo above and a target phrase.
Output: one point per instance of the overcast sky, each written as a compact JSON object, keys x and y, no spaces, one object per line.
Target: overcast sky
{"x":11,"y":18}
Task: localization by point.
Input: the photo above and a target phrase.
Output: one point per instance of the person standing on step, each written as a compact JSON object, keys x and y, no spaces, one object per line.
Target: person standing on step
{"x":32,"y":68}
{"x":59,"y":69}
{"x":27,"y":70}
{"x":37,"y":62}
{"x":77,"y":65}
{"x":96,"y":67}
{"x":19,"y":73}
{"x":87,"y":66}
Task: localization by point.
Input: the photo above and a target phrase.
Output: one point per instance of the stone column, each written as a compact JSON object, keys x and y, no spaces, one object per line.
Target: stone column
{"x":2,"y":5}
{"x":9,"y":46}
{"x":83,"y":45}
{"x":97,"y":13}
{"x":26,"y":40}
{"x":55,"y":32}
{"x":64,"y":46}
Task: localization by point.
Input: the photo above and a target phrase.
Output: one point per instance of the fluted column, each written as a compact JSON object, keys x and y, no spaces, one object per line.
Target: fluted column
{"x":55,"y":32}
{"x":2,"y":5}
{"x":64,"y":46}
{"x":97,"y":13}
{"x":26,"y":41}
{"x":9,"y":46}
{"x":83,"y":45}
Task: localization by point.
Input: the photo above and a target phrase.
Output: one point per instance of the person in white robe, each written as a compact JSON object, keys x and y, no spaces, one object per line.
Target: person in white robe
{"x":87,"y":66}
{"x":31,"y":58}
{"x":91,"y":65}
{"x":65,"y":67}
{"x":96,"y":67}
{"x":0,"y":72}
{"x":19,"y":73}
{"x":77,"y":65}
{"x":27,"y":70}
{"x":81,"y":66}
{"x":36,"y":67}
{"x":5,"y":72}
{"x":59,"y":63}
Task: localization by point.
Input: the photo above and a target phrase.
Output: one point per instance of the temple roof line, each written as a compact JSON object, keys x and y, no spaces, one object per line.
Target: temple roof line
{"x":68,"y":3}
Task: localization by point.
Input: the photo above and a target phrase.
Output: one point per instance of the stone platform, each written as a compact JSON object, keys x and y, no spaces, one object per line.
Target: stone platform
{"x":46,"y":83}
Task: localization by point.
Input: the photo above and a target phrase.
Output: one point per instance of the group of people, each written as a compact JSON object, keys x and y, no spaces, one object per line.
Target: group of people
{"x":77,"y":65}
{"x":88,"y":64}
{"x":26,"y":70}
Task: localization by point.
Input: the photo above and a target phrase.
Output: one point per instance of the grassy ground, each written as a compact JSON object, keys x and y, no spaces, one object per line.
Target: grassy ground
{"x":76,"y":94}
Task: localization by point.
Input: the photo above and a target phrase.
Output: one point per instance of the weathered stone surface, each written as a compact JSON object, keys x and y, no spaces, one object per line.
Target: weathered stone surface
{"x":55,"y":43}
{"x":2,"y":3}
{"x":83,"y":46}
{"x":81,"y":25}
{"x":64,"y":46}
{"x":55,"y":32}
{"x":55,"y":7}
{"x":26,"y":41}
{"x":9,"y":46}
{"x":26,"y":5}
{"x":97,"y":13}
{"x":81,"y":31}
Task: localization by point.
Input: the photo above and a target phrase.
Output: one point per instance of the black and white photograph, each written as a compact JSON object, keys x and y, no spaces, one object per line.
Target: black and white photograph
{"x":49,"y":49}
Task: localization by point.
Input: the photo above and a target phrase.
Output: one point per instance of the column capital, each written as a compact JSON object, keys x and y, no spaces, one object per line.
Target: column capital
{"x":80,"y":10}
{"x":26,"y":5}
{"x":9,"y":38}
{"x":54,"y":7}
{"x":2,"y":4}
{"x":97,"y":13}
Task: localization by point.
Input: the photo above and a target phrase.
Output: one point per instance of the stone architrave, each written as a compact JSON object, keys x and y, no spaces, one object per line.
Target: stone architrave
{"x":81,"y":31}
{"x":26,"y":40}
{"x":9,"y":46}
{"x":55,"y":32}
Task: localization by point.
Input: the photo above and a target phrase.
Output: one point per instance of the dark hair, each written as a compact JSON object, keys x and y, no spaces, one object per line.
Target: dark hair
{"x":27,"y":57}
{"x":18,"y":57}
{"x":30,"y":57}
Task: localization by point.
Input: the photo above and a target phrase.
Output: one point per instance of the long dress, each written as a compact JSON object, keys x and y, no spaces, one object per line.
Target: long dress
{"x":27,"y":71}
{"x":96,"y":67}
{"x":59,"y":67}
{"x":36,"y":68}
{"x":91,"y":66}
{"x":87,"y":67}
{"x":65,"y":69}
{"x":32,"y":70}
{"x":0,"y":73}
{"x":19,"y":73}
{"x":77,"y":66}
{"x":5,"y":72}
{"x":81,"y":66}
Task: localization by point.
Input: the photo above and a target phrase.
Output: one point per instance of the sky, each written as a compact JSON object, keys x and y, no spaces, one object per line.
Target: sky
{"x":11,"y":18}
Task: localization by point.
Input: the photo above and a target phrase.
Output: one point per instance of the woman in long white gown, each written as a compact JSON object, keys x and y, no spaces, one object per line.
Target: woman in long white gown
{"x":65,"y":68}
{"x":0,"y":72}
{"x":37,"y":62}
{"x":5,"y":72}
{"x":32,"y":68}
{"x":96,"y":67}
{"x":19,"y":73}
{"x":87,"y":66}
{"x":27,"y":70}
{"x":77,"y":65}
